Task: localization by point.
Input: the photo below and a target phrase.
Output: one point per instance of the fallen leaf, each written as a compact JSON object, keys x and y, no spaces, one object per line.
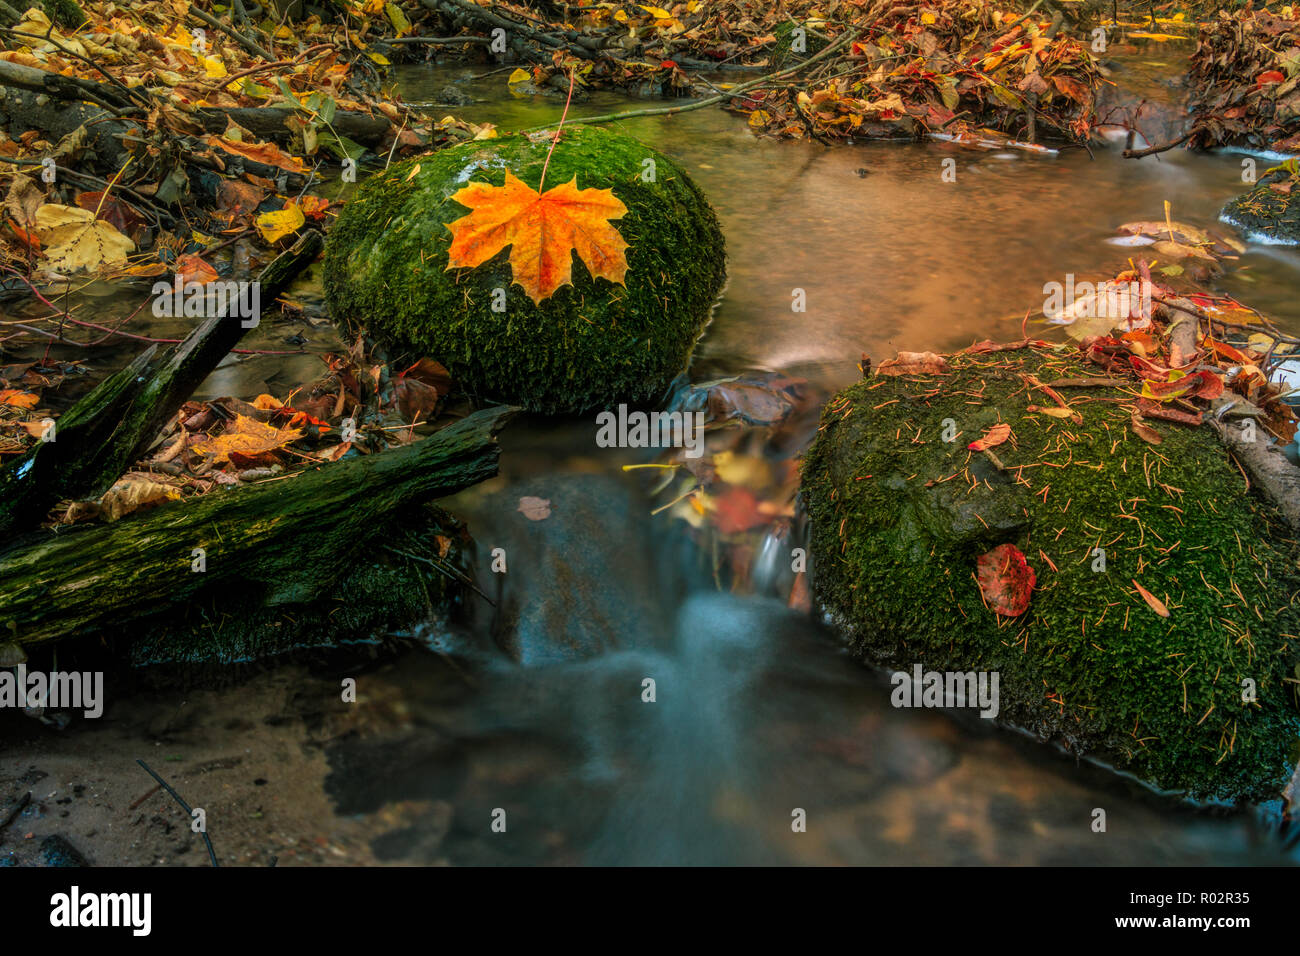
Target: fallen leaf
{"x":275,"y":225}
{"x":192,"y":268}
{"x":23,"y":201}
{"x":1056,"y":411}
{"x":237,"y":198}
{"x":543,"y":231}
{"x":133,"y":492}
{"x":1145,"y":431}
{"x":1006,"y":580}
{"x":1152,"y":601}
{"x":267,"y":153}
{"x":86,"y":246}
{"x":16,"y":398}
{"x":991,"y":438}
{"x":737,"y":509}
{"x":246,"y":437}
{"x":914,"y":363}
{"x":420,"y":388}
{"x":535,"y":509}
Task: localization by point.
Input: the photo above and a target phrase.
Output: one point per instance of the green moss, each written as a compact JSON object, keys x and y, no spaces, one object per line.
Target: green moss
{"x":385,"y":592}
{"x":1089,"y":663}
{"x":66,"y":13}
{"x":1266,"y":212}
{"x":783,"y":55}
{"x":592,"y":344}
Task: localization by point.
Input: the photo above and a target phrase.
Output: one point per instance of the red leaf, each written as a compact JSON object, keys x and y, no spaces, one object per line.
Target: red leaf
{"x":736,"y":510}
{"x":1270,"y":76}
{"x":995,"y":436}
{"x":1006,"y":580}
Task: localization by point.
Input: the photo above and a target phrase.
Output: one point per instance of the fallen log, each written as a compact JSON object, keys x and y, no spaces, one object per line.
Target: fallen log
{"x":283,"y":542}
{"x":18,"y":76}
{"x":268,"y":122}
{"x":104,"y":433}
{"x":1267,"y":471}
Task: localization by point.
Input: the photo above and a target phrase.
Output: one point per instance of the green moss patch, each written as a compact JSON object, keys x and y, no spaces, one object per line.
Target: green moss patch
{"x":900,"y":517}
{"x":1265,"y":212}
{"x":592,"y":344}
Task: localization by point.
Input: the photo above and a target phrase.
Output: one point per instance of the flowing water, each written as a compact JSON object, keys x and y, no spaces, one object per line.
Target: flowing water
{"x":536,"y":707}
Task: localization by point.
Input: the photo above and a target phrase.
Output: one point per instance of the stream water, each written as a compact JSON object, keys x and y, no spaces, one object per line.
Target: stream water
{"x":536,"y":708}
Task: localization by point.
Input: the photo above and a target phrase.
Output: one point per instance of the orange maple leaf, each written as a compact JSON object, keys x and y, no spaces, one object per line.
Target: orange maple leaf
{"x":543,"y":231}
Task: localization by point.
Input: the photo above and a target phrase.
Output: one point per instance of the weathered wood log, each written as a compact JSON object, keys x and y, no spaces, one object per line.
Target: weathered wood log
{"x":21,"y":77}
{"x":1275,"y":478}
{"x":268,"y":122}
{"x":285,"y":541}
{"x":99,"y":437}
{"x":528,"y":42}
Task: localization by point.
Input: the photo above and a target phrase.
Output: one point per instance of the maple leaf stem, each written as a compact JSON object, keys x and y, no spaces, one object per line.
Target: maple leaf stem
{"x":556,"y":138}
{"x":109,"y":188}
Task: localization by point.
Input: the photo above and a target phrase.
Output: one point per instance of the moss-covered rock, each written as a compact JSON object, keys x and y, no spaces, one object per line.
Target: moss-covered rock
{"x":1264,"y":212}
{"x":900,"y":517}
{"x":592,"y":344}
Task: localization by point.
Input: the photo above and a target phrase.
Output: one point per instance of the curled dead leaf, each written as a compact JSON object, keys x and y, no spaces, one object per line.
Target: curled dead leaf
{"x":914,"y":363}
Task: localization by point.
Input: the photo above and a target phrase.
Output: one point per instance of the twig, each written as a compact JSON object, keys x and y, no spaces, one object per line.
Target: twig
{"x":1028,"y":13}
{"x":1152,"y":150}
{"x":231,"y":32}
{"x":739,"y":91}
{"x":16,"y":809}
{"x":212,"y":854}
{"x":439,"y":41}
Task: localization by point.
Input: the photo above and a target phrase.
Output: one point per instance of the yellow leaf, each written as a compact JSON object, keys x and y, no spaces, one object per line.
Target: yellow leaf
{"x":658,"y":13}
{"x":543,"y":231}
{"x":378,"y":58}
{"x":274,"y":226}
{"x":248,"y":437}
{"x":52,"y":215}
{"x":86,"y":246}
{"x":397,"y":18}
{"x":519,"y":76}
{"x":928,"y":18}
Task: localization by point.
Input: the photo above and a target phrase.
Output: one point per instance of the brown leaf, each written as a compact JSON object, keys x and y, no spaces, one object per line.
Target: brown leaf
{"x":914,"y":363}
{"x":133,"y":492}
{"x":1145,"y":431}
{"x":237,"y":199}
{"x":1152,"y":601}
{"x":24,"y":198}
{"x":267,"y":153}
